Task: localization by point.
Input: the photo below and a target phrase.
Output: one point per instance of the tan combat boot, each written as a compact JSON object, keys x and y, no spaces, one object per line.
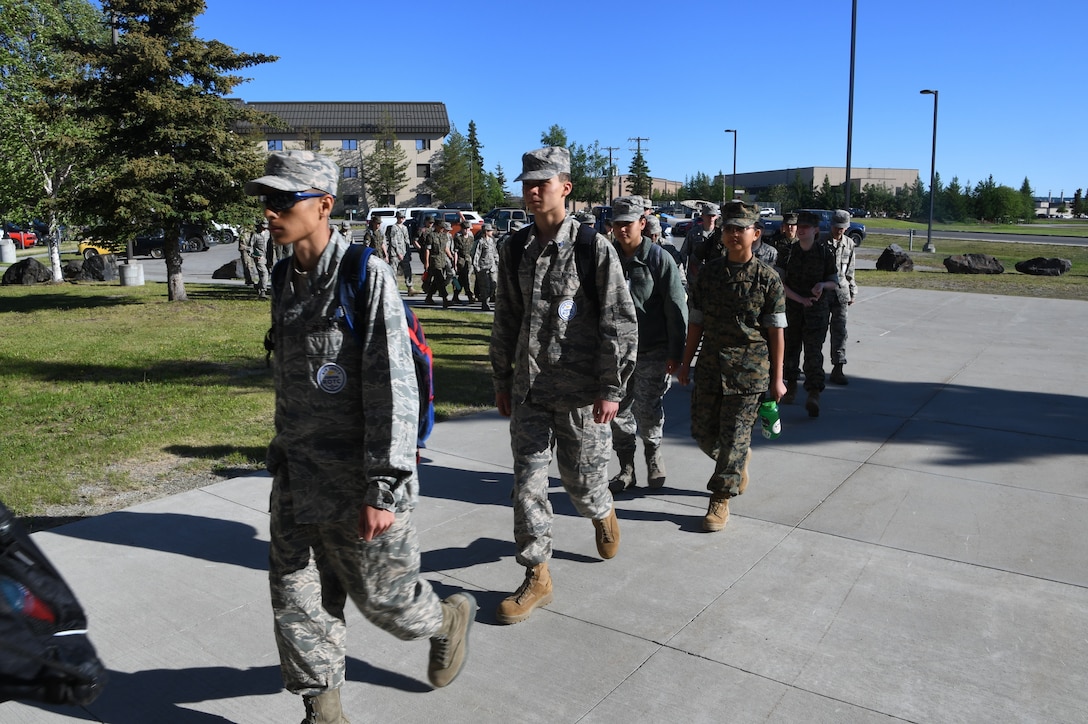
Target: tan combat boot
{"x":450,"y":647}
{"x":625,"y":478}
{"x":608,"y":535}
{"x":535,"y":591}
{"x":812,"y":404}
{"x":717,"y":514}
{"x":655,"y":466}
{"x":324,"y":708}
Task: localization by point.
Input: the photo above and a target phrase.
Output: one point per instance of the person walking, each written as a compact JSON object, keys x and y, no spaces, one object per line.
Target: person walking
{"x":438,"y":260}
{"x":249,"y":270}
{"x":463,"y":241}
{"x":344,"y":482}
{"x":562,"y":350}
{"x":737,"y":315}
{"x":661,"y":310}
{"x":842,"y":247}
{"x":372,"y":237}
{"x":256,"y":246}
{"x":485,"y":261}
{"x":398,"y":250}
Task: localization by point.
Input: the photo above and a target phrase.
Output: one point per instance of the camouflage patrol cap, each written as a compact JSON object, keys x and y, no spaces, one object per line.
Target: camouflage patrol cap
{"x":543,"y":163}
{"x":709,"y":209}
{"x":296,"y":171}
{"x":428,"y":220}
{"x":653,"y":226}
{"x":345,"y":226}
{"x":627,"y":208}
{"x":840,"y":219}
{"x":807,"y":218}
{"x":738,"y":213}
{"x":584,"y":217}
{"x":446,"y":226}
{"x":487,"y":226}
{"x":400,"y":213}
{"x":790,"y":218}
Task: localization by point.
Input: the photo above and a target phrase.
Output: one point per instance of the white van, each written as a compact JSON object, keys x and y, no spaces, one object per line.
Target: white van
{"x":388,"y":215}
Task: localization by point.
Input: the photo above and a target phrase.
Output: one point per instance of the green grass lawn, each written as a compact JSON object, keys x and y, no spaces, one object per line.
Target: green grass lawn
{"x":1042,"y":227}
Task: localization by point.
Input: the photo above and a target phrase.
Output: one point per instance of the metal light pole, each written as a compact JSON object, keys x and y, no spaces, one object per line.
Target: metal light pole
{"x":932,"y":174}
{"x":733,"y":183}
{"x":850,"y":109}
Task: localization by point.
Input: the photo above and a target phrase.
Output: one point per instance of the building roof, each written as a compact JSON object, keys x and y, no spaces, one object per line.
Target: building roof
{"x":358,"y":117}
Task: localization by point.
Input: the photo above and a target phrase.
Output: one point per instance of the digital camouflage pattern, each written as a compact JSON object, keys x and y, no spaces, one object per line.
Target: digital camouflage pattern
{"x":552,"y":341}
{"x":642,"y":411}
{"x":485,"y":262}
{"x":297,"y":171}
{"x":346,"y":419}
{"x":839,"y":303}
{"x":398,"y":249}
{"x":732,"y":303}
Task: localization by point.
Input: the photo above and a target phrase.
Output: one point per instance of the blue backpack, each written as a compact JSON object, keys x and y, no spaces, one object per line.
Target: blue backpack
{"x":351,"y":280}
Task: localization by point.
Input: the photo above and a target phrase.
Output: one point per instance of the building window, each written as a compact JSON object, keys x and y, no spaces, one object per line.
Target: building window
{"x":423,"y":170}
{"x":349,"y":144}
{"x":275,"y":145}
{"x":424,"y":199}
{"x":423,"y":144}
{"x":351,"y":172}
{"x":351,"y":200}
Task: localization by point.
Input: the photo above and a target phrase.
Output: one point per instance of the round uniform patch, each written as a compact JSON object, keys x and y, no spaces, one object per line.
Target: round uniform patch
{"x":331,"y":378}
{"x":567,"y":310}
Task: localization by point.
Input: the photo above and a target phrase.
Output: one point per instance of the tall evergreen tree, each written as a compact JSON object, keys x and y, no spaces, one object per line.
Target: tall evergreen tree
{"x":168,"y":149}
{"x":451,"y":170}
{"x":385,"y":168}
{"x":639,"y":182}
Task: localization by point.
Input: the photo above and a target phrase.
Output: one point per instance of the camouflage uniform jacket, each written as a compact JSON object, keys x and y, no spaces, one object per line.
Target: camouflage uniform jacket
{"x":733,"y":303}
{"x":346,"y":414}
{"x":805,"y":269}
{"x":397,"y":243}
{"x":462,"y":244}
{"x":257,"y":244}
{"x":550,"y":341}
{"x":373,"y":239}
{"x":437,"y":242}
{"x":766,"y":254}
{"x":485,"y":258}
{"x":843,"y":250}
{"x":660,"y":305}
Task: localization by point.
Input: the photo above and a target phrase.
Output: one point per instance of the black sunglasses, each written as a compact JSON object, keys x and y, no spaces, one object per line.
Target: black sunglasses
{"x":284,"y":200}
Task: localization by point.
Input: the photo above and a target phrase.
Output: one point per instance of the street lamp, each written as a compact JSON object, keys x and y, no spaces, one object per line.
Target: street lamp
{"x":733,"y":184}
{"x":932,"y":174}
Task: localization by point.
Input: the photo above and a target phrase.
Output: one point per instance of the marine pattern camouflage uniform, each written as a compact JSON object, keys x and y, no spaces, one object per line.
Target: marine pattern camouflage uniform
{"x":732,"y":303}
{"x":439,"y":267}
{"x":398,"y":249}
{"x":373,"y":239}
{"x":463,"y":242}
{"x":807,"y":326}
{"x":661,"y":310}
{"x":346,"y":417}
{"x":555,"y":351}
{"x":839,"y":303}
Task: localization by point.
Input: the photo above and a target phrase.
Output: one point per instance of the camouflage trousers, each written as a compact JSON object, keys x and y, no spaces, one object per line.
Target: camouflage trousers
{"x":582,"y":452}
{"x":437,"y":279}
{"x":838,"y":310}
{"x":261,"y":281}
{"x":806,"y":328}
{"x":249,"y":271}
{"x":722,"y":425}
{"x":485,"y":284}
{"x":311,"y":571}
{"x":405,"y":266}
{"x":641,"y":410}
{"x":464,"y":270}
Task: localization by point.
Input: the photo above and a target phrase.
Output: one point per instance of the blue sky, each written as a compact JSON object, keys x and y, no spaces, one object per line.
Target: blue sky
{"x":1010,"y":75}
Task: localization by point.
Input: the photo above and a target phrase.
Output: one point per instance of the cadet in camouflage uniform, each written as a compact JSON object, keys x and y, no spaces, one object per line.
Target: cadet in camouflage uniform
{"x":808,"y":270}
{"x":842,"y":246}
{"x":438,"y":260}
{"x":398,"y":248}
{"x":249,"y":270}
{"x":372,"y":237}
{"x":786,"y":234}
{"x":256,"y":246}
{"x":343,"y":456}
{"x":661,"y":310}
{"x":561,"y":359}
{"x":485,"y":262}
{"x":697,"y":237}
{"x":463,"y":241}
{"x":737,"y":312}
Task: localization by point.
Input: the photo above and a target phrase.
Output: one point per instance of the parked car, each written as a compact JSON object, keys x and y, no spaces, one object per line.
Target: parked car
{"x":855,"y":232}
{"x":23,"y":238}
{"x":681,"y":228}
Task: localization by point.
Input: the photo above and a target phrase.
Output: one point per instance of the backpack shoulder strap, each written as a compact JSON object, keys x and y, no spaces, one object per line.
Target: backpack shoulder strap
{"x":279,"y":276}
{"x":653,"y":259}
{"x":350,"y":281}
{"x":516,"y":244}
{"x":585,"y":259}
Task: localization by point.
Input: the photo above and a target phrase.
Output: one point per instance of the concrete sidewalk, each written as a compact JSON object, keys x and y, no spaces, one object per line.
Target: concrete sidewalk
{"x":915,"y":554}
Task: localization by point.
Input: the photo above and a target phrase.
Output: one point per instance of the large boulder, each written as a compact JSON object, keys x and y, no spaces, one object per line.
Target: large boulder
{"x":27,"y":272}
{"x":230,"y":270}
{"x":973,"y":264}
{"x":1041,"y":267}
{"x":893,"y":258}
{"x":98,"y":268}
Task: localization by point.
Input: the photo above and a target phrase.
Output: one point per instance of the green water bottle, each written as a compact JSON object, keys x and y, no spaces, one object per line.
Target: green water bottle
{"x":768,"y":416}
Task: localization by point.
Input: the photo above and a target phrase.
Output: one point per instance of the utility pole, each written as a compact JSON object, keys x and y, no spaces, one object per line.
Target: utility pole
{"x":611,"y":170}
{"x":638,"y":143}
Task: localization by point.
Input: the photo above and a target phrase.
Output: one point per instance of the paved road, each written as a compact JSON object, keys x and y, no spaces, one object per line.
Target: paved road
{"x":983,"y":236}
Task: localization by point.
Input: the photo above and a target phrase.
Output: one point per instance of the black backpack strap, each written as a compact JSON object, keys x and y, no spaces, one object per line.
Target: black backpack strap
{"x":516,"y":243}
{"x":585,"y":259}
{"x":279,"y":278}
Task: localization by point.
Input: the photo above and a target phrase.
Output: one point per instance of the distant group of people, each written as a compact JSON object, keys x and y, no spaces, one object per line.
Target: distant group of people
{"x":586,"y":336}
